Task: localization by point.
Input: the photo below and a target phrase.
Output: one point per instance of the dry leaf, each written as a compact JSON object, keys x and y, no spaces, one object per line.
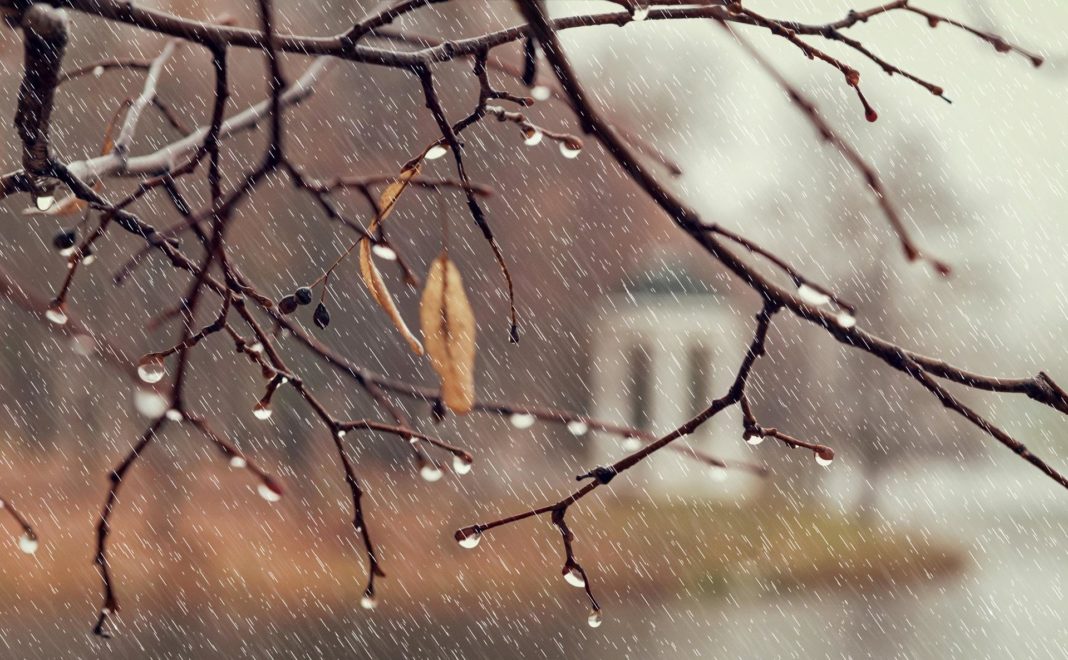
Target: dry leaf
{"x":388,"y":199}
{"x":449,"y":331}
{"x":373,"y":280}
{"x":71,"y":204}
{"x":109,"y":133}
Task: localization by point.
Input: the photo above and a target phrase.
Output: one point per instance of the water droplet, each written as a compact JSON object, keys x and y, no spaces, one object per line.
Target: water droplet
{"x":570,"y":149}
{"x":812,"y":296}
{"x":262,"y":410}
{"x":578,"y":427}
{"x":573,"y":577}
{"x":522,"y":420}
{"x":471,"y":540}
{"x":98,"y":71}
{"x":436,"y":152}
{"x":83,"y":344}
{"x":56,"y":314}
{"x":845,"y":320}
{"x":368,"y":602}
{"x":174,"y":415}
{"x":384,"y":252}
{"x":28,"y":543}
{"x":540,"y":93}
{"x":149,"y":403}
{"x":461,"y":464}
{"x":238,"y":462}
{"x":755,"y":440}
{"x":431,"y":472}
{"x":256,"y":347}
{"x":640,"y":13}
{"x":44,"y":202}
{"x":268,"y":492}
{"x":151,"y":369}
{"x":594,"y":619}
{"x":66,"y":252}
{"x":718,"y":474}
{"x":88,"y":259}
{"x":630,"y":443}
{"x":533,"y":137}
{"x":824,"y":458}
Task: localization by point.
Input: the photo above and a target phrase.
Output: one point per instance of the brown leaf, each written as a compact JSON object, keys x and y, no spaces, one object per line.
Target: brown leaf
{"x":449,"y":332}
{"x":71,"y":205}
{"x":373,"y":280}
{"x":108,"y":142}
{"x":388,"y":199}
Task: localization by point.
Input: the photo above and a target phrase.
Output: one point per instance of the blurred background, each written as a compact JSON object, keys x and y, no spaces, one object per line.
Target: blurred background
{"x":922,"y":539}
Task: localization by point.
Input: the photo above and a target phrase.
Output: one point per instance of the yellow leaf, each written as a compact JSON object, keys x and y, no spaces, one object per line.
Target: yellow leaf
{"x":373,"y":280}
{"x":109,"y":133}
{"x":72,"y":204}
{"x":388,"y":199}
{"x":449,"y":332}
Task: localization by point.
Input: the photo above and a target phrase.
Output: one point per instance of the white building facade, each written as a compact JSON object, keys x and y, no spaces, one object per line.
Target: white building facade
{"x":663,"y":349}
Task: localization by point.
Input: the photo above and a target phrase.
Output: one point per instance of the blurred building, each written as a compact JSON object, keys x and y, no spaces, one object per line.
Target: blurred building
{"x":666,"y":345}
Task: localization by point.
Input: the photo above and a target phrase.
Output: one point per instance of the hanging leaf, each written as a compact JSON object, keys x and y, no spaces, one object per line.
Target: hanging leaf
{"x":449,"y":331}
{"x":71,"y":204}
{"x":388,"y":199}
{"x":375,"y":284}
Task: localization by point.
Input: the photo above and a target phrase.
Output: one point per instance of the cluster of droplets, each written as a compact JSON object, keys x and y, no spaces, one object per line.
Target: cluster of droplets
{"x":151,"y":369}
{"x":384,"y":252}
{"x":461,"y":464}
{"x":149,"y":402}
{"x":430,"y":472}
{"x":573,"y":576}
{"x":577,"y":427}
{"x":268,"y":491}
{"x":540,"y":93}
{"x":594,"y":620}
{"x":813,"y":296}
{"x":56,"y":313}
{"x":469,"y":539}
{"x":28,"y":543}
{"x":262,"y":410}
{"x":824,"y":456}
{"x":82,"y":344}
{"x":570,"y":148}
{"x":522,"y":420}
{"x":532,"y":137}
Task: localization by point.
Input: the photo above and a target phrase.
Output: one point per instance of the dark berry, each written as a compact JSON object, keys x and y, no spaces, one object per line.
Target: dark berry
{"x":303,"y":295}
{"x":287,"y":305}
{"x":65,"y":239}
{"x":322,"y":316}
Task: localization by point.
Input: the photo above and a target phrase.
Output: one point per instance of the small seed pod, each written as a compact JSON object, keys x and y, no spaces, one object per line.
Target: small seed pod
{"x":303,"y":295}
{"x":322,"y":316}
{"x":287,"y":305}
{"x":65,"y":239}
